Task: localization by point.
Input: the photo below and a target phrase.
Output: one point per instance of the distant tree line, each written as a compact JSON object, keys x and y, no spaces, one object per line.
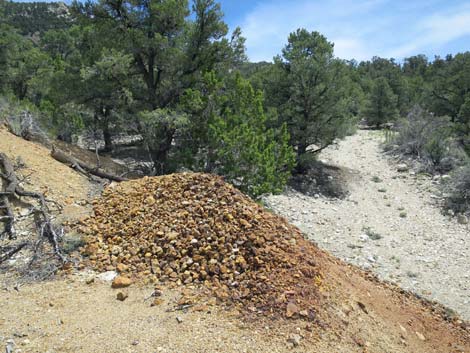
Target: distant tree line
{"x":173,"y":74}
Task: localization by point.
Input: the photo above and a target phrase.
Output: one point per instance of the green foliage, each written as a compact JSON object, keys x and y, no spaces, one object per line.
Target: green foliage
{"x":36,"y":17}
{"x":158,"y":128}
{"x":253,"y":157}
{"x":166,"y":69}
{"x":25,"y":67}
{"x":312,"y":92}
{"x":233,"y":138}
{"x":381,"y":104}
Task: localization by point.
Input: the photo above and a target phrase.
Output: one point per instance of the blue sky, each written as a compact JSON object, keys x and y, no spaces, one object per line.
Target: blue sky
{"x":360,"y":29}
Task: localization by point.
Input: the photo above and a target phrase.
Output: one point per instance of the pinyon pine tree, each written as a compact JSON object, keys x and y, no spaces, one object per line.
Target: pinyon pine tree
{"x":381,"y":106}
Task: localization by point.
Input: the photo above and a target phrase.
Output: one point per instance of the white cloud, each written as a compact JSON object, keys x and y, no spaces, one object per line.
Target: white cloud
{"x":360,"y":29}
{"x":435,"y":31}
{"x":351,"y":48}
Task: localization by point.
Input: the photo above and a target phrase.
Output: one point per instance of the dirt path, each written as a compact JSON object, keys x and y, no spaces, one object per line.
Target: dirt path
{"x":389,"y":224}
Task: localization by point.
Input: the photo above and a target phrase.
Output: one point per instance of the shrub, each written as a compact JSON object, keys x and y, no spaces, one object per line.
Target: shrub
{"x":458,"y":198}
{"x":429,"y":139}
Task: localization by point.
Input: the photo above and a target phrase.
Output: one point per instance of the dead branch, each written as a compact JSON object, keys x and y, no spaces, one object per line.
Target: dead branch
{"x":42,"y":217}
{"x":65,"y":158}
{"x":9,"y":253}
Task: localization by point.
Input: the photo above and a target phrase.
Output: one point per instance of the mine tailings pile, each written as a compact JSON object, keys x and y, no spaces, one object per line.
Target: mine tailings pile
{"x":193,"y":228}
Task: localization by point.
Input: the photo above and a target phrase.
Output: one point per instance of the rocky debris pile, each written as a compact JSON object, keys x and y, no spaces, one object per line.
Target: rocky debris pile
{"x":194,"y":228}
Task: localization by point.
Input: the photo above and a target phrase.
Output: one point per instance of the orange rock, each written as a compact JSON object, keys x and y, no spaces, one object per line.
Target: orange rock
{"x":121,"y":282}
{"x":292,"y":309}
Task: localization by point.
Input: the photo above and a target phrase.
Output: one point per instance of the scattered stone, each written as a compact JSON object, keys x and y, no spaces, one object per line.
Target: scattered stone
{"x":294,"y":339}
{"x":121,"y":282}
{"x":157,"y":302}
{"x":179,"y":319}
{"x":90,"y":280}
{"x":121,"y":296}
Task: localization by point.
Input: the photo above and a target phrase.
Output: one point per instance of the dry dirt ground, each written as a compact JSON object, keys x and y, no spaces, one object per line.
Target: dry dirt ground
{"x":73,"y":314}
{"x":390,"y":223}
{"x":68,"y":315}
{"x":59,"y":182}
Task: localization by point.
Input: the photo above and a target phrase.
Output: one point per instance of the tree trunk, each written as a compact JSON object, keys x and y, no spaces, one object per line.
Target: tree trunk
{"x":108,"y":141}
{"x":160,"y":152}
{"x":300,"y":164}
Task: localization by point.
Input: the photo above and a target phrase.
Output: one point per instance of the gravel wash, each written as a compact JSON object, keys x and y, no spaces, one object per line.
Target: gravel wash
{"x":390,"y":223}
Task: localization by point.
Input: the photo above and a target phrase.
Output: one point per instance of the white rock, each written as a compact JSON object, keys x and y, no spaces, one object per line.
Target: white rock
{"x":107,"y":276}
{"x":402,"y":168}
{"x":462,"y":219}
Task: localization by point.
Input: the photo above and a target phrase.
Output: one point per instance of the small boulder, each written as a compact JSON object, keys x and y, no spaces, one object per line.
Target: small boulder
{"x":402,"y":167}
{"x":121,"y":267}
{"x":121,"y":282}
{"x":292,"y":309}
{"x":107,"y":276}
{"x":462,"y":219}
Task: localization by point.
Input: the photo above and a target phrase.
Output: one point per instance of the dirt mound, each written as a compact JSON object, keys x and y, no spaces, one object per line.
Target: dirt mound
{"x":190,"y":228}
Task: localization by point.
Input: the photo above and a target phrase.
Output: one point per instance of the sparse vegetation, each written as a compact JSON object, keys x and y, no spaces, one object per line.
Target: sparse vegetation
{"x":429,"y":139}
{"x":376,"y":179}
{"x":459,"y":190}
{"x":371,"y":233}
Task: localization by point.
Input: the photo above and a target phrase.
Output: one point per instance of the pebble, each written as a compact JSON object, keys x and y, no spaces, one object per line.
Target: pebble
{"x":294,"y":339}
{"x":121,"y":296}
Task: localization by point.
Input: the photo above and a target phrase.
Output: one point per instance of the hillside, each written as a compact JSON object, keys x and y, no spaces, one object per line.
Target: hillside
{"x":36,"y":17}
{"x":353,"y":312}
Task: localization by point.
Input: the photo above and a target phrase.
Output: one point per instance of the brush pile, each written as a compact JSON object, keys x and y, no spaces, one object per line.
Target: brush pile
{"x":194,"y":228}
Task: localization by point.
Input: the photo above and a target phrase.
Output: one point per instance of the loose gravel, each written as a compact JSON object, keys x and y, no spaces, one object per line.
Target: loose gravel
{"x":390,"y":223}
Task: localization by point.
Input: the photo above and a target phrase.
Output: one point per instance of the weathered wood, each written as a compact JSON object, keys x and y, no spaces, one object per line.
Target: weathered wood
{"x":65,"y":158}
{"x":9,"y":253}
{"x":43,"y":220}
{"x":9,"y":177}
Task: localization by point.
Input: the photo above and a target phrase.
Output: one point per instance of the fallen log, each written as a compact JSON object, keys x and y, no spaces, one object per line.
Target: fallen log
{"x":65,"y":158}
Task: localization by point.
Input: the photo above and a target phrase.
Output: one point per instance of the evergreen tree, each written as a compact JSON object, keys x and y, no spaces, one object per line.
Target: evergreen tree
{"x":311,"y":93}
{"x":170,"y":51}
{"x":234,"y":137}
{"x":381,"y":105}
